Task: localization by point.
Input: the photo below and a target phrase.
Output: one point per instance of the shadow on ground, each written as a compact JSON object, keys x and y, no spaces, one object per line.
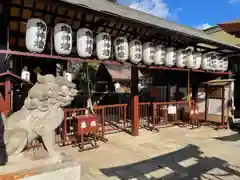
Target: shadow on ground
{"x":231,"y":138}
{"x":186,"y":163}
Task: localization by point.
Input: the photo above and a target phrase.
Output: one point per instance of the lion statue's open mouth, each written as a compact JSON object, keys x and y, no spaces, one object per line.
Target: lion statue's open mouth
{"x":40,"y":115}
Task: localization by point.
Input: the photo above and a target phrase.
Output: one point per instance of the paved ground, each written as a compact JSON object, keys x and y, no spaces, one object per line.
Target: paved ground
{"x":172,"y":153}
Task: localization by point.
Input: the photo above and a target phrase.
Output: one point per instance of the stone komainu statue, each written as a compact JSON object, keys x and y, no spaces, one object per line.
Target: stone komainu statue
{"x":40,"y":115}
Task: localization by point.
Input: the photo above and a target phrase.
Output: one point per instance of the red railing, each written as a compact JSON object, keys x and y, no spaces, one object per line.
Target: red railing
{"x":145,"y":114}
{"x":161,"y":115}
{"x":112,"y":118}
{"x":66,"y":133}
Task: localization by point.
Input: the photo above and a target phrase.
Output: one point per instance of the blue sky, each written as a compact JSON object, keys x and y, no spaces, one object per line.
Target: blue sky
{"x":195,"y":13}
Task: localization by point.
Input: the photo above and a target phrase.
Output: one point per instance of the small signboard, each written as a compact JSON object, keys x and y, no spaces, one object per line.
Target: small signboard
{"x":172,"y":109}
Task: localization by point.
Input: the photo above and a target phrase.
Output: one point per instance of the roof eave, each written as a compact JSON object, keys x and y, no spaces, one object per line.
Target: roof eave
{"x":143,"y":18}
{"x":213,"y":29}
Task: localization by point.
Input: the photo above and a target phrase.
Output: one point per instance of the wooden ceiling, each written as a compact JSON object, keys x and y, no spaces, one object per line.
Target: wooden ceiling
{"x":53,"y":13}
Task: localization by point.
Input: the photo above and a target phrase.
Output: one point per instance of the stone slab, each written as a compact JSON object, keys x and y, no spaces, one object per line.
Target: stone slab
{"x":68,"y":169}
{"x":141,"y":149}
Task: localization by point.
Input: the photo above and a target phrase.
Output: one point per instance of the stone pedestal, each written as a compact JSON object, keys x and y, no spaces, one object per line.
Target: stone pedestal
{"x":68,"y":169}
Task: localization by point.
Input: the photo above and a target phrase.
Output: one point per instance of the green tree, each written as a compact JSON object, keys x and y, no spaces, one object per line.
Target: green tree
{"x":85,"y":74}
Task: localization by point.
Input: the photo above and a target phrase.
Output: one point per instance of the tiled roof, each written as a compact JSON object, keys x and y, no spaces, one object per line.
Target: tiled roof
{"x":217,"y":28}
{"x":231,"y":28}
{"x":233,"y":21}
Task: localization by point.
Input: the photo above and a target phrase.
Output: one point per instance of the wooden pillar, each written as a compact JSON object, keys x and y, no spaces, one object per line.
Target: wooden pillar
{"x":7,"y":96}
{"x":206,"y":103}
{"x":195,"y":93}
{"x":188,"y":88}
{"x":4,"y":12}
{"x":223,"y":108}
{"x":135,"y":101}
{"x":166,"y":117}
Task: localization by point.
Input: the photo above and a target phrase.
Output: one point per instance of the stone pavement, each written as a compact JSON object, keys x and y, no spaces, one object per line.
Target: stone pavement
{"x":172,"y":153}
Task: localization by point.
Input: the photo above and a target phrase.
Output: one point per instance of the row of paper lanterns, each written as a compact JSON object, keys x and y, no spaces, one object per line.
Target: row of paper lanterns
{"x":134,"y":51}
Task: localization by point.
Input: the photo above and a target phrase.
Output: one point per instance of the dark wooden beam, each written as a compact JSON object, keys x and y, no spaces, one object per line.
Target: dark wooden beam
{"x":53,"y":17}
{"x":135,"y":101}
{"x":45,"y":9}
{"x":74,"y":17}
{"x":52,"y":14}
{"x":19,"y":22}
{"x":83,"y":20}
{"x":120,"y":29}
{"x":32,"y":9}
{"x":4,"y":15}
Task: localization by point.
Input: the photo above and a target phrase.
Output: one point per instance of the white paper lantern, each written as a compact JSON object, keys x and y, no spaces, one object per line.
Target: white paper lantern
{"x":25,"y":74}
{"x":103,"y":45}
{"x":160,"y":53}
{"x":206,"y":62}
{"x":121,"y":49}
{"x":225,"y":64}
{"x":63,"y":39}
{"x":191,"y":62}
{"x":135,"y":51}
{"x":36,"y":35}
{"x":181,"y":58}
{"x":148,"y":53}
{"x":84,"y":42}
{"x":214,"y":64}
{"x":117,"y":85}
{"x":219,"y":63}
{"x":170,"y":59}
{"x":197,"y":58}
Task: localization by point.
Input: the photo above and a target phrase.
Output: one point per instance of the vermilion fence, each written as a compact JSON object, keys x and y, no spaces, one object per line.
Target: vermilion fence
{"x":161,"y":115}
{"x":145,"y":114}
{"x":113,"y":118}
{"x":66,"y":133}
{"x":155,"y":114}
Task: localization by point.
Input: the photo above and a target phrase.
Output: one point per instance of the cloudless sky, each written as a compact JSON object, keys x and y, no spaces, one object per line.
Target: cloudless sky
{"x":196,"y":12}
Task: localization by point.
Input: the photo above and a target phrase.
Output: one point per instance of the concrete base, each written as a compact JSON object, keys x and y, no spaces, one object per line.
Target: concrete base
{"x":68,"y":169}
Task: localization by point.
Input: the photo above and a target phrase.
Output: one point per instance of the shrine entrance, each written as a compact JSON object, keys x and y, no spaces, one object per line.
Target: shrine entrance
{"x":116,"y":21}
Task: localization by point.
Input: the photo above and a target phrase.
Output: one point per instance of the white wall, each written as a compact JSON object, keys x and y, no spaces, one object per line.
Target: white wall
{"x":215,"y":105}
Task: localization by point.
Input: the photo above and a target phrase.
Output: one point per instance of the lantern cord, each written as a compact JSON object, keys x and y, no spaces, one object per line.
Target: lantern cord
{"x":89,"y":105}
{"x":189,"y":96}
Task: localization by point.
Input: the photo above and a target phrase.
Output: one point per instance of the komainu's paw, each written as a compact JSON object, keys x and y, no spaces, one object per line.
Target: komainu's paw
{"x":19,"y":158}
